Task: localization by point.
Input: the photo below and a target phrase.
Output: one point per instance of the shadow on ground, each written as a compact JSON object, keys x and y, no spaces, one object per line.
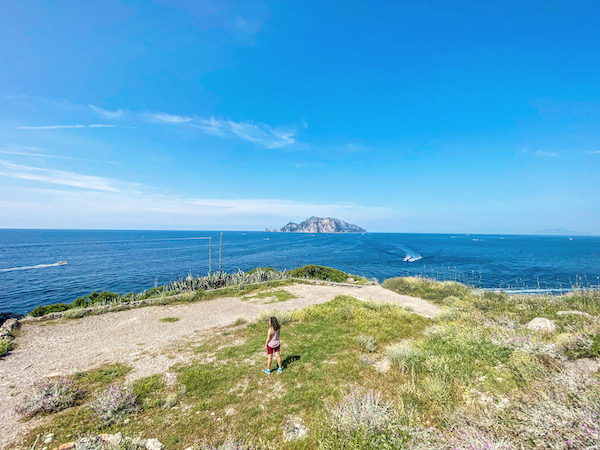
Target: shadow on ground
{"x":289,"y":360}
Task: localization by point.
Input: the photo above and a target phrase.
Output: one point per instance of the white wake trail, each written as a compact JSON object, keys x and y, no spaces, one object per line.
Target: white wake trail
{"x":39,"y":266}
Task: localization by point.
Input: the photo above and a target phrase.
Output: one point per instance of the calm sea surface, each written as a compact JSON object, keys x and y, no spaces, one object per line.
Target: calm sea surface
{"x":125,"y":261}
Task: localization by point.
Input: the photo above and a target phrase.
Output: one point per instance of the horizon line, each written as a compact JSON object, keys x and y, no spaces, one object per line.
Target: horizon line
{"x":576,"y":234}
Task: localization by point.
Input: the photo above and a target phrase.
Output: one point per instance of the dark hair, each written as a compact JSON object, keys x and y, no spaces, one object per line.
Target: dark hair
{"x":275,"y":323}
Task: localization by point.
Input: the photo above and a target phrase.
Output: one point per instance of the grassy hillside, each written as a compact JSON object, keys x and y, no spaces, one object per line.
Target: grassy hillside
{"x":368,"y":375}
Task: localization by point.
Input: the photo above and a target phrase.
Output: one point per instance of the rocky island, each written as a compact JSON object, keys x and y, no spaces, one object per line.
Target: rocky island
{"x":321,"y":225}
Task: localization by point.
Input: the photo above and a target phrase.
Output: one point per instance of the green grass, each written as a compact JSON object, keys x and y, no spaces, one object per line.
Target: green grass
{"x":439,"y":373}
{"x":320,"y":351}
{"x":101,"y":377}
{"x":169,"y":319}
{"x":272,"y":296}
{"x":423,"y":288}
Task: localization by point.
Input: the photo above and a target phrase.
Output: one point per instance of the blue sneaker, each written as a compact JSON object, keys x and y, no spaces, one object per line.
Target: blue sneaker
{"x":280,"y":370}
{"x":267,"y":371}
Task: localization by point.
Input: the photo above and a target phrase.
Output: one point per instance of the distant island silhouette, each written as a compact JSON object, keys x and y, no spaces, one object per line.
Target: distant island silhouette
{"x":320,"y":225}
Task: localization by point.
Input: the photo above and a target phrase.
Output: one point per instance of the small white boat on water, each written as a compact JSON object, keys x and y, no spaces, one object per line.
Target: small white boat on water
{"x":61,"y":263}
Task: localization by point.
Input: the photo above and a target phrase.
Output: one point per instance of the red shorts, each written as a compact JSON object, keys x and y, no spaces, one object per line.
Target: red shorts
{"x":271,"y":350}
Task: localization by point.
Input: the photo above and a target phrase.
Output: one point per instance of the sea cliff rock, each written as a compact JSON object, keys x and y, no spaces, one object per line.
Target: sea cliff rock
{"x":322,"y":225}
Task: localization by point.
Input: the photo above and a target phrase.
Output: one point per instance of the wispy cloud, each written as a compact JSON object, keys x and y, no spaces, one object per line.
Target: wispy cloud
{"x":107,"y":114}
{"x":594,"y":152}
{"x":36,"y":153}
{"x":167,"y":118}
{"x":260,"y":134}
{"x":211,"y":126}
{"x":61,"y":177}
{"x":263,"y":135}
{"x":65,"y":127}
{"x":545,"y":153}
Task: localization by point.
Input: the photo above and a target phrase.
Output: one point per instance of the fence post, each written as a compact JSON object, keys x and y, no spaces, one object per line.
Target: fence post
{"x":220,"y":247}
{"x":209,"y":255}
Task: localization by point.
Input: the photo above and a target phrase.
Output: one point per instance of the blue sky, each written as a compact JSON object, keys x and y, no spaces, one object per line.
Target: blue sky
{"x":430,"y":116}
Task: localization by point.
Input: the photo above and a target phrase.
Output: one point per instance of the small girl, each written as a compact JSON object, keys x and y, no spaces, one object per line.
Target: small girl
{"x":273,"y":344}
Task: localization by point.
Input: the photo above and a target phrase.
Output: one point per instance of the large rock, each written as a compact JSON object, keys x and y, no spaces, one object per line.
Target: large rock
{"x":322,"y":225}
{"x":294,"y":429}
{"x":7,"y":327}
{"x":154,"y":444}
{"x":541,"y":324}
{"x":587,"y":366}
{"x":574,"y":313}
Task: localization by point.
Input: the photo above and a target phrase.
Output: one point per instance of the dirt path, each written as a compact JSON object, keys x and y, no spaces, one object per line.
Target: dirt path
{"x":139,"y":339}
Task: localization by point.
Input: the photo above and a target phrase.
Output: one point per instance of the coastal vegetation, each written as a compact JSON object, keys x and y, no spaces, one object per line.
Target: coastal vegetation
{"x":194,"y":288}
{"x":5,"y":347}
{"x":323,"y":273}
{"x":364,"y":374}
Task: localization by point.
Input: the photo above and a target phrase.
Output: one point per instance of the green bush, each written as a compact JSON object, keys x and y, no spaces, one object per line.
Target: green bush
{"x":43,"y":310}
{"x":80,"y":302}
{"x":319,"y":273}
{"x":103,"y":298}
{"x":435,"y":291}
{"x":5,"y":347}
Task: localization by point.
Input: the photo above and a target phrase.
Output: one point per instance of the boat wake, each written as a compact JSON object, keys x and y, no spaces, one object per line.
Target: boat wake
{"x":39,"y":266}
{"x":412,"y":258}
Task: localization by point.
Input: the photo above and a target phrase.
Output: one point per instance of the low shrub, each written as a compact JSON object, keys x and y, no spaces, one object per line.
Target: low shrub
{"x":580,"y":345}
{"x":436,"y":291}
{"x":437,"y":390}
{"x":90,"y":442}
{"x":103,"y":298}
{"x":526,"y":366}
{"x":5,"y":347}
{"x":115,"y":403}
{"x":48,"y":396}
{"x":240,"y":320}
{"x":368,"y":342}
{"x":404,"y":354}
{"x":556,"y":412}
{"x":362,"y":420}
{"x":319,"y":273}
{"x":75,"y":313}
{"x":43,"y":310}
{"x":80,"y":302}
{"x":362,"y":412}
{"x":283,"y":317}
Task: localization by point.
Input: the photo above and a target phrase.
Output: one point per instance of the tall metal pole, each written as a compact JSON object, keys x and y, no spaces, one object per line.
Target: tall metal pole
{"x":209,"y":255}
{"x":220,"y":248}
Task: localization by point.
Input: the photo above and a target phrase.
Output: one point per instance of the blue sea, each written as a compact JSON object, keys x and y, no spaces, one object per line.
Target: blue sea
{"x":126,"y":261}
